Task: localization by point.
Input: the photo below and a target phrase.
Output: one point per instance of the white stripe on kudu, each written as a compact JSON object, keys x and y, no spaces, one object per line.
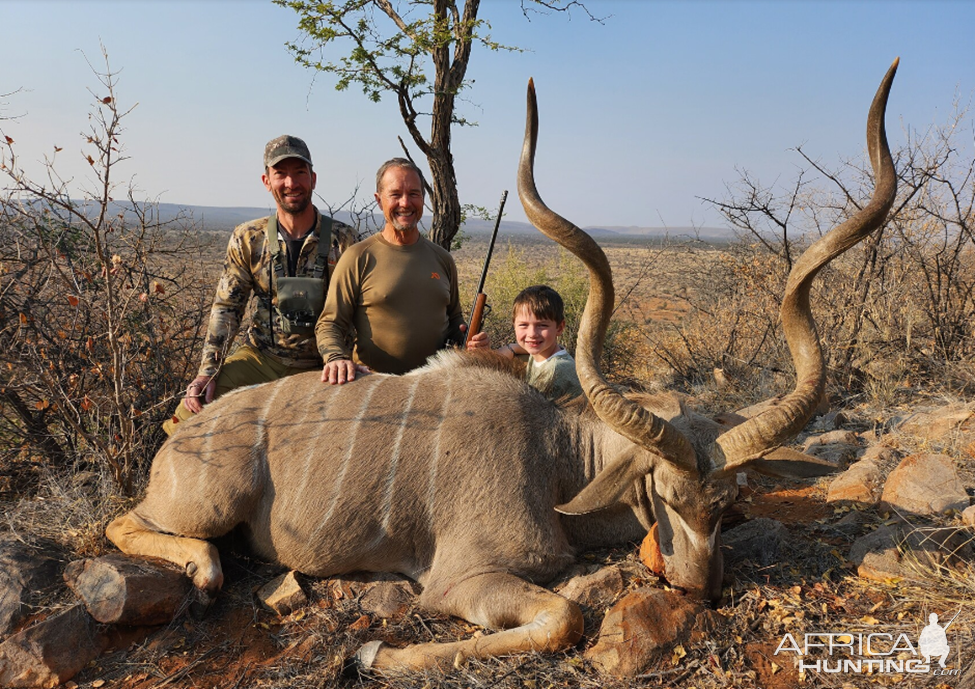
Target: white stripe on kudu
{"x":317,"y":429}
{"x":387,"y":508}
{"x":356,"y":422}
{"x":435,"y":458}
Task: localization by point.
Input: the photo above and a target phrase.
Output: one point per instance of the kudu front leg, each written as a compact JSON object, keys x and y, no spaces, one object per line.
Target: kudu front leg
{"x":133,"y":536}
{"x":533,"y":619}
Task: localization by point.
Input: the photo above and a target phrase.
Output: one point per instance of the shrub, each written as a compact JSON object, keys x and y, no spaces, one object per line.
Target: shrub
{"x":101,"y":312}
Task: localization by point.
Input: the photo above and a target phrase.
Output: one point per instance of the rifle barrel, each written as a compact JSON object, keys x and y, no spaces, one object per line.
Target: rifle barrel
{"x":477,"y":310}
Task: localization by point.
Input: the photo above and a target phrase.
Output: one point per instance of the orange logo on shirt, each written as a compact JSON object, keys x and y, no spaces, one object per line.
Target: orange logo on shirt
{"x":434,"y":276}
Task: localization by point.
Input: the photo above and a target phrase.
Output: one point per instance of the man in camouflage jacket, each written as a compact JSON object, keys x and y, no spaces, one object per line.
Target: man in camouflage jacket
{"x":268,"y":351}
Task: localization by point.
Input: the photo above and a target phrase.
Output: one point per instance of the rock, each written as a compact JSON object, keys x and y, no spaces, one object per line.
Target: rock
{"x":831,"y":421}
{"x":387,"y":599}
{"x":645,"y":626}
{"x":283,"y":594}
{"x":838,"y":454}
{"x":822,"y":407}
{"x":862,"y":483}
{"x":839,"y":448}
{"x":876,"y":555}
{"x":851,"y":524}
{"x":24,"y":572}
{"x":934,"y":425}
{"x":880,"y":454}
{"x":968,"y":516}
{"x":598,"y":590}
{"x":52,"y":651}
{"x":758,"y":541}
{"x":830,"y":438}
{"x":924,"y":484}
{"x":118,"y":589}
{"x":901,"y":551}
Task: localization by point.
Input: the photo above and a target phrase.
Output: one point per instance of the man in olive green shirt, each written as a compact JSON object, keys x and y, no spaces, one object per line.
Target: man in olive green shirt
{"x":396,"y":291}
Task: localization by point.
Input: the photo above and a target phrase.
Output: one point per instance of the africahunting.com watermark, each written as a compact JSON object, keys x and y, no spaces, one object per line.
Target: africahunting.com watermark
{"x":879,"y":652}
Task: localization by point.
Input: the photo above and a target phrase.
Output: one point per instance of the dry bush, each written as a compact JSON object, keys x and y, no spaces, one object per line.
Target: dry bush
{"x":893,"y":312}
{"x":513,"y":270}
{"x":101,"y":311}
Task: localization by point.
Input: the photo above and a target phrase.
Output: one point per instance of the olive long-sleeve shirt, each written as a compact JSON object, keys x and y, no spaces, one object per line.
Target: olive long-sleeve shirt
{"x":401,"y":303}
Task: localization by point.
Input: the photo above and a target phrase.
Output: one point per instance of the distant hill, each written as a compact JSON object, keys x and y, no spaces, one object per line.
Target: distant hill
{"x":215,"y":218}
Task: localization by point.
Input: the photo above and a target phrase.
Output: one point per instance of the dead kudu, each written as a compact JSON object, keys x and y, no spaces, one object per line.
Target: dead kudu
{"x":465,"y":479}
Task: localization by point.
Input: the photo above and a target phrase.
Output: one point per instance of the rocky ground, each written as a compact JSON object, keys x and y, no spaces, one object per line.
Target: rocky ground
{"x":869,"y":553}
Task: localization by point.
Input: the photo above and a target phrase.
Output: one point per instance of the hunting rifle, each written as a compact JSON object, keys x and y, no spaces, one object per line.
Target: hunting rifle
{"x":480,"y":300}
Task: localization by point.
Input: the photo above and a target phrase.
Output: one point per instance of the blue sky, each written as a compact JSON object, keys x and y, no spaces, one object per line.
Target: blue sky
{"x":640,"y":115}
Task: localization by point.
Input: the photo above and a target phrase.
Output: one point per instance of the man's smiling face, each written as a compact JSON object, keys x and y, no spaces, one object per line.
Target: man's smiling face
{"x":290,"y":182}
{"x":401,"y":199}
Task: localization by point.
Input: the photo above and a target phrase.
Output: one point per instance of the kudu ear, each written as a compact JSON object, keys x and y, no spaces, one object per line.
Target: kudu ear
{"x":785,"y":463}
{"x":608,"y":486}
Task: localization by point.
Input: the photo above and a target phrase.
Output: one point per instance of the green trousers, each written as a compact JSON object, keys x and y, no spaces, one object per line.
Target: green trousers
{"x":246,"y":366}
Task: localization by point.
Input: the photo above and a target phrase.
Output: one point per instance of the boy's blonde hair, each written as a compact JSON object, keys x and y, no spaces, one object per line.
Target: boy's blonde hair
{"x":541,"y":301}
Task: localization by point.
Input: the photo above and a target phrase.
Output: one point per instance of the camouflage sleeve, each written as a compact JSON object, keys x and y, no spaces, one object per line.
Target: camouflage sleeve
{"x":233,"y":291}
{"x":345,"y":234}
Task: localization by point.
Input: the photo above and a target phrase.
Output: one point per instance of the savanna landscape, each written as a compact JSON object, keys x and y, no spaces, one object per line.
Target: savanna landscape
{"x":101,"y":320}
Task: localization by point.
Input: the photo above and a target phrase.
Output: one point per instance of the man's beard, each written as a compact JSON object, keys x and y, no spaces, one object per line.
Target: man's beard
{"x":293,"y":206}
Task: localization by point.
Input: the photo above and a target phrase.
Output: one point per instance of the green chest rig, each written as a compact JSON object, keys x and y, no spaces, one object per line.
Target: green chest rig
{"x":300,"y":299}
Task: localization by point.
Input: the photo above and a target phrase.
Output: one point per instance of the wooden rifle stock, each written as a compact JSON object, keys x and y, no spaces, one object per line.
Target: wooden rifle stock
{"x":480,"y":301}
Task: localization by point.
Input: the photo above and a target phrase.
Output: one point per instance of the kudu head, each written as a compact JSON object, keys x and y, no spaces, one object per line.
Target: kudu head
{"x":682,"y":464}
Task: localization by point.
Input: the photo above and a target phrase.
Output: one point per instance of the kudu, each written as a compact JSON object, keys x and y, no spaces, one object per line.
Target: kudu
{"x":463,"y":478}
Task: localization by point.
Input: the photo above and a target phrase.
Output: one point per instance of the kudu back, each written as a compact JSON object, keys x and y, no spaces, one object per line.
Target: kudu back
{"x":465,"y":479}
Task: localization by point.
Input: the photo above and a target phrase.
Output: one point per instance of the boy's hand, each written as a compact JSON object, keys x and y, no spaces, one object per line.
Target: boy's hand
{"x":510,"y":351}
{"x":478,"y":341}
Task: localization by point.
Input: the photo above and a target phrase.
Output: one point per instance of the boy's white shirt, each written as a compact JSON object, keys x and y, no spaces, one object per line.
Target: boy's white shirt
{"x":561,"y":352}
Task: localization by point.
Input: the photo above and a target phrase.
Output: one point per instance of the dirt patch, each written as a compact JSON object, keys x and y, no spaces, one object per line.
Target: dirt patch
{"x":800,"y":505}
{"x":774,"y":672}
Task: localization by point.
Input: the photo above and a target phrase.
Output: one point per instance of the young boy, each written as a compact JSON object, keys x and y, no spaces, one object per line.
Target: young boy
{"x":539,"y":319}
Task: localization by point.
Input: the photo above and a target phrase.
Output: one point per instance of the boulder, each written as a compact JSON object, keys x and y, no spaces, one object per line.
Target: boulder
{"x":936,"y":424}
{"x":901,"y":551}
{"x":831,"y":438}
{"x":118,"y":589}
{"x":25,"y":571}
{"x":877,"y":557}
{"x":597,"y":590}
{"x":924,"y":484}
{"x":862,"y":483}
{"x":645,"y":626}
{"x":879,"y":453}
{"x":52,"y":651}
{"x":283,"y":594}
{"x":388,"y":599}
{"x":758,"y":541}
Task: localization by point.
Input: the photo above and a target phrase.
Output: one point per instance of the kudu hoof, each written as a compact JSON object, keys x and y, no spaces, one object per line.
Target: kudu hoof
{"x":366,"y":655}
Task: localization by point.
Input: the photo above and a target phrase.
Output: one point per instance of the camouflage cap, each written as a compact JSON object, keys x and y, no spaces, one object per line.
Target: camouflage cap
{"x":285,"y":147}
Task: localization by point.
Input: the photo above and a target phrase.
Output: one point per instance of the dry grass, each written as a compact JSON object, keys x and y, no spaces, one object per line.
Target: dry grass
{"x":238,"y":643}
